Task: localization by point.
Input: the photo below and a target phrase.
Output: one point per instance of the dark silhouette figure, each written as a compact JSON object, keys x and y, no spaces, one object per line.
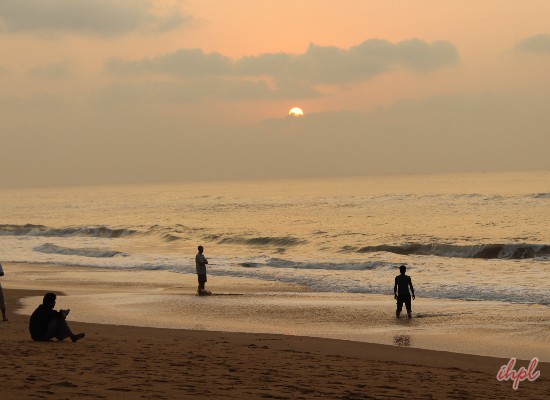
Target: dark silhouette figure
{"x":200,"y":264}
{"x":46,"y":323}
{"x":2,"y":302}
{"x":401,"y":292}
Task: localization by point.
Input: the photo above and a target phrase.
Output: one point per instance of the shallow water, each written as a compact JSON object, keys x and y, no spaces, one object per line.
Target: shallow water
{"x":168,"y":300}
{"x":464,"y":236}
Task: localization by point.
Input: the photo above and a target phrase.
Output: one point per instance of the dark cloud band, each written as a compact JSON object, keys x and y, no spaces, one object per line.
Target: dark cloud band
{"x":535,"y":44}
{"x":296,"y":75}
{"x":98,"y":17}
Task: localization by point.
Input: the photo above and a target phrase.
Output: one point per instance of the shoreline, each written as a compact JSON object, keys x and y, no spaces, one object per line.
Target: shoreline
{"x":118,"y":362}
{"x":167,"y":300}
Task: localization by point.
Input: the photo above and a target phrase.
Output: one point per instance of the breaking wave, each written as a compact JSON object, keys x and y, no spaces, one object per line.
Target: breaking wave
{"x":485,"y":251}
{"x":41,"y":230}
{"x":263,"y":241}
{"x":50,"y":248}
{"x":350,"y":266}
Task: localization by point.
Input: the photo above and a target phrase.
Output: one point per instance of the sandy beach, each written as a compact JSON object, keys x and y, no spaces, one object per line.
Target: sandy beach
{"x":125,"y":362}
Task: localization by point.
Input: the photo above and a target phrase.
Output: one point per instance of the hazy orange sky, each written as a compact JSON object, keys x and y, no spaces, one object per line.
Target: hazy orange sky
{"x":101,"y":91}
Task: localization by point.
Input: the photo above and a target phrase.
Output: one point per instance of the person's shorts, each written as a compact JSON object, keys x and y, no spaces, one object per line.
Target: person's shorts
{"x":404,"y":298}
{"x":202,"y":278}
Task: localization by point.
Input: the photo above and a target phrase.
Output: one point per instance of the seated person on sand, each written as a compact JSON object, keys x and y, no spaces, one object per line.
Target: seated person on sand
{"x":46,"y":323}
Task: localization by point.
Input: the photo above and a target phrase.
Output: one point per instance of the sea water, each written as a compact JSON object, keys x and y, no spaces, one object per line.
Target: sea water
{"x":475,"y":236}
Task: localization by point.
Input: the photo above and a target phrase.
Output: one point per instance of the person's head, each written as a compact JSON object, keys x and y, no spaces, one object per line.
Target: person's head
{"x":402,"y":269}
{"x":49,"y":300}
{"x":201,"y":249}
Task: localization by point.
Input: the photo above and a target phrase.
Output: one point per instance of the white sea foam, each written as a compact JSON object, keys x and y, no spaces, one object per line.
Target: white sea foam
{"x":376,"y":276}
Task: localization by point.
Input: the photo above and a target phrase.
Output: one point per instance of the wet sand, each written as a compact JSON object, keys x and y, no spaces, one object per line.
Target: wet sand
{"x":165,"y":299}
{"x":124,"y":362}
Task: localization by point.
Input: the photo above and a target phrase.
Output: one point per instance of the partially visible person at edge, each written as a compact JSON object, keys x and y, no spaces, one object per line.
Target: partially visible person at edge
{"x":200,"y":264}
{"x":2,"y":302}
{"x":401,"y":292}
{"x":46,"y":323}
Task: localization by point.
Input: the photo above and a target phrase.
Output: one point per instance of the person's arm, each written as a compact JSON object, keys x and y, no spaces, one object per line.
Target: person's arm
{"x":395,"y":289}
{"x":411,"y":286}
{"x":56,"y":314}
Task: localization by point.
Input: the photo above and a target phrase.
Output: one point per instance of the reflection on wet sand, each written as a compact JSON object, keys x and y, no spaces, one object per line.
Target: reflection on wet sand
{"x":402,"y":340}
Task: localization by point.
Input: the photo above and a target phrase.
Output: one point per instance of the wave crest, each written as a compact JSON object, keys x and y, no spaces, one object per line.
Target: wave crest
{"x":50,"y":248}
{"x":485,"y":251}
{"x":41,"y":230}
{"x":348,"y":266}
{"x":263,"y":241}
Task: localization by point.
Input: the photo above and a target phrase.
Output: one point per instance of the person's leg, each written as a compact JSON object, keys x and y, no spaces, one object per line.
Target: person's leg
{"x":53,"y":328}
{"x":201,"y":284}
{"x":408,"y":305}
{"x":3,"y":305}
{"x":59,"y":329}
{"x":399,"y":305}
{"x":64,"y":332}
{"x":202,"y":280}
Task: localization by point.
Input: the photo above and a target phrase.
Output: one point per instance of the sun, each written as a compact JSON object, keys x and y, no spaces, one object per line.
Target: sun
{"x":296,"y":112}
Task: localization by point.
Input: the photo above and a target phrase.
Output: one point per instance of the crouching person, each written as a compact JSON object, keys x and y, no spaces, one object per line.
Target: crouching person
{"x":46,"y":323}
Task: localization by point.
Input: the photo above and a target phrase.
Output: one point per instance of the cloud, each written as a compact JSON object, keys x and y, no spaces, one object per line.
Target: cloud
{"x":539,"y":44}
{"x":184,"y":63}
{"x":333,"y":65}
{"x":318,"y":65}
{"x":98,"y":17}
{"x":59,"y":70}
{"x":293,"y":75}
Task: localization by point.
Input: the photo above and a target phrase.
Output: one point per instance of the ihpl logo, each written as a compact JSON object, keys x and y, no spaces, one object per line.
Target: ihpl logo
{"x":507,"y":372}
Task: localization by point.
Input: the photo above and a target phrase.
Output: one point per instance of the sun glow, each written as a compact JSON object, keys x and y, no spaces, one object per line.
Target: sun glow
{"x":296,"y":112}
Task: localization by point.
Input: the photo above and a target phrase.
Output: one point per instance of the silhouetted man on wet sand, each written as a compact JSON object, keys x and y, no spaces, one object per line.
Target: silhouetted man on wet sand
{"x":401,"y":292}
{"x":200,"y":264}
{"x":46,"y":323}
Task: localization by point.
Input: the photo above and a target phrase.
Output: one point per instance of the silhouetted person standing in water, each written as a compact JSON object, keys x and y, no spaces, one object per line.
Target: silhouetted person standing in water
{"x":46,"y":323}
{"x":200,"y":264}
{"x":401,"y":292}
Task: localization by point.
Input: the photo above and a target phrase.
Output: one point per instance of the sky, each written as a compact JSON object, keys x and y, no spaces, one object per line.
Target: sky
{"x":130,"y":91}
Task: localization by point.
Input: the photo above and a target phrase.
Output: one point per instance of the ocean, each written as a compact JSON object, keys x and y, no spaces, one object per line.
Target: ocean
{"x":471,"y":236}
